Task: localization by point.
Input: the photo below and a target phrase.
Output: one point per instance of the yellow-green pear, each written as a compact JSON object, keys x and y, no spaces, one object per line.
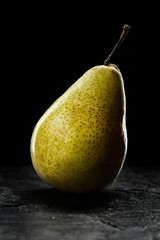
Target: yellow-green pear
{"x":79,"y":144}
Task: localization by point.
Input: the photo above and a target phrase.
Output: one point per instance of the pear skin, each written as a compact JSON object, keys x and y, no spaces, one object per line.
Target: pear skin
{"x":79,"y":144}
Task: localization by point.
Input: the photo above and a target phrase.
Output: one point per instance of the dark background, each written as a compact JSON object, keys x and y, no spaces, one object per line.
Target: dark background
{"x":45,"y":49}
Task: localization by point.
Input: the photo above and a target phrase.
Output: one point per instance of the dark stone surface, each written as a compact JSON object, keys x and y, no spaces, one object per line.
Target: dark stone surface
{"x":128,"y":210}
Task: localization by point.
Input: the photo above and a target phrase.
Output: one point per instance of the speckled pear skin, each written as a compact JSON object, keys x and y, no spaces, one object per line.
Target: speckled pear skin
{"x":79,"y":144}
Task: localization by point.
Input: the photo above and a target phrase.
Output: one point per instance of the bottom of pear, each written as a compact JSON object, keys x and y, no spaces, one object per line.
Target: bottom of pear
{"x":80,"y":188}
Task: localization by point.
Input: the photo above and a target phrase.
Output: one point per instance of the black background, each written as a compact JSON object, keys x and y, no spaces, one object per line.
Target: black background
{"x":45,"y":49}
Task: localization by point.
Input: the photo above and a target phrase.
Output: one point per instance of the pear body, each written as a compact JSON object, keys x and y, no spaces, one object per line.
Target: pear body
{"x":79,"y":144}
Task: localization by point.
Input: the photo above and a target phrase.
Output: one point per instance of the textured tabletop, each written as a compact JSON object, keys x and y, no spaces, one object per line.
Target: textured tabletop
{"x":128,"y":210}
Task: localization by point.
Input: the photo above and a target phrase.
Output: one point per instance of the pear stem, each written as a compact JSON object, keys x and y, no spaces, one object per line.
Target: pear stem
{"x":126,"y":28}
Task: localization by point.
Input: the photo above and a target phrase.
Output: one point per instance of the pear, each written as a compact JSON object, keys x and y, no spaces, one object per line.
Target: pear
{"x":79,"y":144}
